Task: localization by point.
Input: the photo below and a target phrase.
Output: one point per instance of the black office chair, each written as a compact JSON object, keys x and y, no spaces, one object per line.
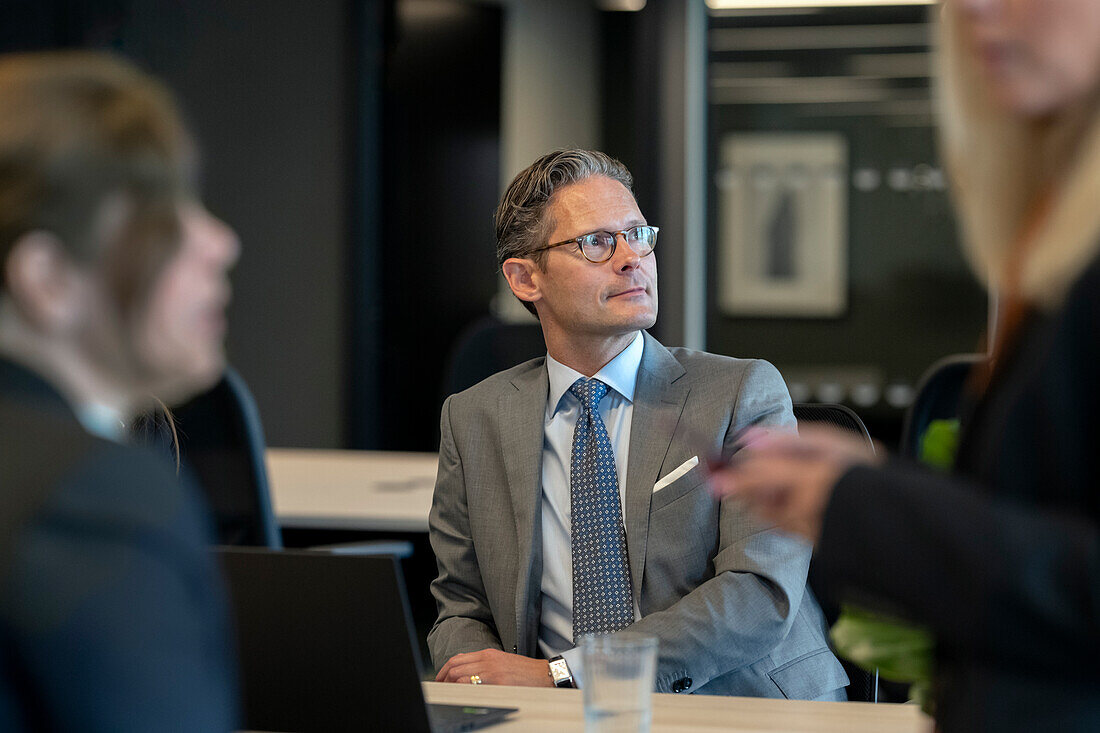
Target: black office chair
{"x":220,"y":438}
{"x":487,"y":346}
{"x":862,"y":685}
{"x":838,"y":416}
{"x":939,"y":397}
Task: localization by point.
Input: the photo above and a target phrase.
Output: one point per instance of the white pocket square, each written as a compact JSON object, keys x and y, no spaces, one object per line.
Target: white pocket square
{"x":676,"y":473}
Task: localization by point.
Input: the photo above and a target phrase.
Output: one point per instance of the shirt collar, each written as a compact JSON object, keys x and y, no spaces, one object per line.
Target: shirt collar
{"x":22,"y":383}
{"x":102,"y":421}
{"x":620,"y":374}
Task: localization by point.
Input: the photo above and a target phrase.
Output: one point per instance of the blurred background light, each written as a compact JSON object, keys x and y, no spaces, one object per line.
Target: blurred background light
{"x":631,"y":5}
{"x":784,"y":4}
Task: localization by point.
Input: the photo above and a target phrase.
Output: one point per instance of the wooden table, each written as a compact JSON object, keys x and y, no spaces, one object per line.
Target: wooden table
{"x":545,"y":710}
{"x":344,"y":489}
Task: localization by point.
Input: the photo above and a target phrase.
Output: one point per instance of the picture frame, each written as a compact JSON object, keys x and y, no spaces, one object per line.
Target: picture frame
{"x":782,"y":225}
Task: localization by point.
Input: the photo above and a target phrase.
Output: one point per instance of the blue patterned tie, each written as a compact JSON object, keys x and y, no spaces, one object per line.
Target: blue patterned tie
{"x":601,"y":572}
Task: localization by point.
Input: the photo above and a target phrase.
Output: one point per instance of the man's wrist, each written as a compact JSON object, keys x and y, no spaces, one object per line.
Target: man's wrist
{"x":558,"y":670}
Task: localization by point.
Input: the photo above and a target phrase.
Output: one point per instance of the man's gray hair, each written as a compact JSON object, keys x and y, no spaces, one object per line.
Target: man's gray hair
{"x":522,"y":223}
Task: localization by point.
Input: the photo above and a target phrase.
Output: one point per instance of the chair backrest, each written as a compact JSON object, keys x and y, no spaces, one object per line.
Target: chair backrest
{"x":836,"y":415}
{"x":221,"y":439}
{"x":861,"y":686}
{"x":487,"y":346}
{"x":939,"y":394}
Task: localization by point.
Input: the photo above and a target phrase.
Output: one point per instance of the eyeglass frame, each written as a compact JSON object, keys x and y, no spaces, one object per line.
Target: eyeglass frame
{"x":614,"y":242}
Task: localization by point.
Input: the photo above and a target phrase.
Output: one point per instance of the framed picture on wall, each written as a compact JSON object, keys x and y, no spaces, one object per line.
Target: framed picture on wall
{"x":782,"y":225}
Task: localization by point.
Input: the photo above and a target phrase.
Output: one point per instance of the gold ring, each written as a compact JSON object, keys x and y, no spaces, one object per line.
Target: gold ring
{"x":475,"y":679}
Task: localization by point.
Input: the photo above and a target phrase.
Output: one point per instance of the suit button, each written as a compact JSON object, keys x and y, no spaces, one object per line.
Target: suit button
{"x":678,"y":686}
{"x":687,"y":683}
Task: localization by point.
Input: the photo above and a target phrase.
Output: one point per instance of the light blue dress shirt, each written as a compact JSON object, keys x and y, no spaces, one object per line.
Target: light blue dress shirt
{"x":562,"y":411}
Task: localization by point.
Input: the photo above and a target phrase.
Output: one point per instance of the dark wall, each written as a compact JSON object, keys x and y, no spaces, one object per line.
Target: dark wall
{"x":441,"y":166}
{"x":265,"y":86}
{"x":355,"y":147}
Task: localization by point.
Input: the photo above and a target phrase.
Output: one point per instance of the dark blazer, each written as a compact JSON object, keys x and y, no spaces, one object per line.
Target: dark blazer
{"x":112,"y":617}
{"x":1001,"y":560}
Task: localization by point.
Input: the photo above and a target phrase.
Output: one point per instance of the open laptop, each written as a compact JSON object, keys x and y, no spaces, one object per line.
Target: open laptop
{"x":325,"y":644}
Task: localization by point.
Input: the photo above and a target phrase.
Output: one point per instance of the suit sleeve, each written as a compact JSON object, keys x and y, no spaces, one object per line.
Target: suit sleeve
{"x":465,"y":621}
{"x":114,"y":606}
{"x":1010,"y":584}
{"x":748,"y":607}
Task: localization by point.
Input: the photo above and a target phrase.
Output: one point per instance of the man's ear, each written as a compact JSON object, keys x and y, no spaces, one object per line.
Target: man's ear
{"x":519,"y":274}
{"x":42,"y":282}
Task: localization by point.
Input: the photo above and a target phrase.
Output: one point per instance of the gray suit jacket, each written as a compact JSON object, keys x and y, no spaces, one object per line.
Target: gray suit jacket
{"x":725,"y":596}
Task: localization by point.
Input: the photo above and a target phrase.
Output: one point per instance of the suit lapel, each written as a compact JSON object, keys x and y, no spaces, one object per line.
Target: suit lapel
{"x":659,"y":399}
{"x":521,"y":421}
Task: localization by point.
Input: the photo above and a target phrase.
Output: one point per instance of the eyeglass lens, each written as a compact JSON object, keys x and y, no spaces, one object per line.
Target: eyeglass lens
{"x":598,"y":246}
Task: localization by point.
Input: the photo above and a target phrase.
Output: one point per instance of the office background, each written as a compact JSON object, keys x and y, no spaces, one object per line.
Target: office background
{"x":359,"y":146}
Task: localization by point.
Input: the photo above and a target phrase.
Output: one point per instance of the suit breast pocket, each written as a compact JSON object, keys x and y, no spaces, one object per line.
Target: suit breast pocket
{"x":683,"y":539}
{"x":693,"y":480}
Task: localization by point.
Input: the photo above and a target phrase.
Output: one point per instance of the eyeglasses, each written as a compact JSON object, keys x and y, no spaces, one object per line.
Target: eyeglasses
{"x":600,"y":246}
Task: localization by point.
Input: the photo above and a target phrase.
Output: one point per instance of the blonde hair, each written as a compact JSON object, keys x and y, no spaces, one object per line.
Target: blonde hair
{"x":1002,"y":167}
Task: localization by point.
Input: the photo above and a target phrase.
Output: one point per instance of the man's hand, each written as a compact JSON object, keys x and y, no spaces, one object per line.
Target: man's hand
{"x":495,"y":667}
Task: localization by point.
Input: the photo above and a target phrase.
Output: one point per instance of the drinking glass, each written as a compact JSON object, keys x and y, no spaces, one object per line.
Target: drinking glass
{"x":618,"y":682}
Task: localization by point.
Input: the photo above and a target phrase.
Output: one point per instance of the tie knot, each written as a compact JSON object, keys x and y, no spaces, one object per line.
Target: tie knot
{"x":589,"y":392}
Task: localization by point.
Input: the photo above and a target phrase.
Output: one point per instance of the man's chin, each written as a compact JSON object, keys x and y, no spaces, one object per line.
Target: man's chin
{"x":642,"y":321}
{"x":633,"y":323}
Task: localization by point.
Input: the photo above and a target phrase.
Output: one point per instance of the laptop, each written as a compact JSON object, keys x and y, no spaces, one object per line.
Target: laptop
{"x":325,"y":644}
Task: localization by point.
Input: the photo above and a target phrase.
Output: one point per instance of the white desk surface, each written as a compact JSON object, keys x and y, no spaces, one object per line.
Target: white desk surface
{"x":345,"y":489}
{"x":546,"y":710}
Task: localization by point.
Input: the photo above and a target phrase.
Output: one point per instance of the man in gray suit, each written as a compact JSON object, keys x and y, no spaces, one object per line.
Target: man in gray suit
{"x":571,"y":495}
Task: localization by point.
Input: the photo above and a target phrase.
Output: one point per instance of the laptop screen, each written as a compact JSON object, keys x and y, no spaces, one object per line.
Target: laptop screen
{"x":324,"y":641}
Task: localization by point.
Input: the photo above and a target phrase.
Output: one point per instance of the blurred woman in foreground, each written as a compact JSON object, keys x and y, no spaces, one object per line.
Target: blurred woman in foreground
{"x":1001,"y":560}
{"x":114,"y":290}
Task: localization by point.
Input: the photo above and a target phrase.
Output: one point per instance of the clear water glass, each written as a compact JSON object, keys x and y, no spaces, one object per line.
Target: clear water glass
{"x":618,"y":682}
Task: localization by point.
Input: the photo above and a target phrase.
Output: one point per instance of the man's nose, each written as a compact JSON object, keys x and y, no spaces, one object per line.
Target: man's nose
{"x":625,"y":256}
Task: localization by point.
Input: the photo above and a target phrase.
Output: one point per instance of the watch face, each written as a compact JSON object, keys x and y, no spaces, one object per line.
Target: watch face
{"x":559,"y":670}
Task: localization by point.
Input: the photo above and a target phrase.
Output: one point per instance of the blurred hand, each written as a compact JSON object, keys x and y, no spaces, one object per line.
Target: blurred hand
{"x":788,"y":479}
{"x":495,"y":667}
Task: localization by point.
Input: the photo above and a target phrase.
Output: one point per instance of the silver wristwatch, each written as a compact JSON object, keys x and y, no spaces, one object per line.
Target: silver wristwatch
{"x":559,"y":672}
